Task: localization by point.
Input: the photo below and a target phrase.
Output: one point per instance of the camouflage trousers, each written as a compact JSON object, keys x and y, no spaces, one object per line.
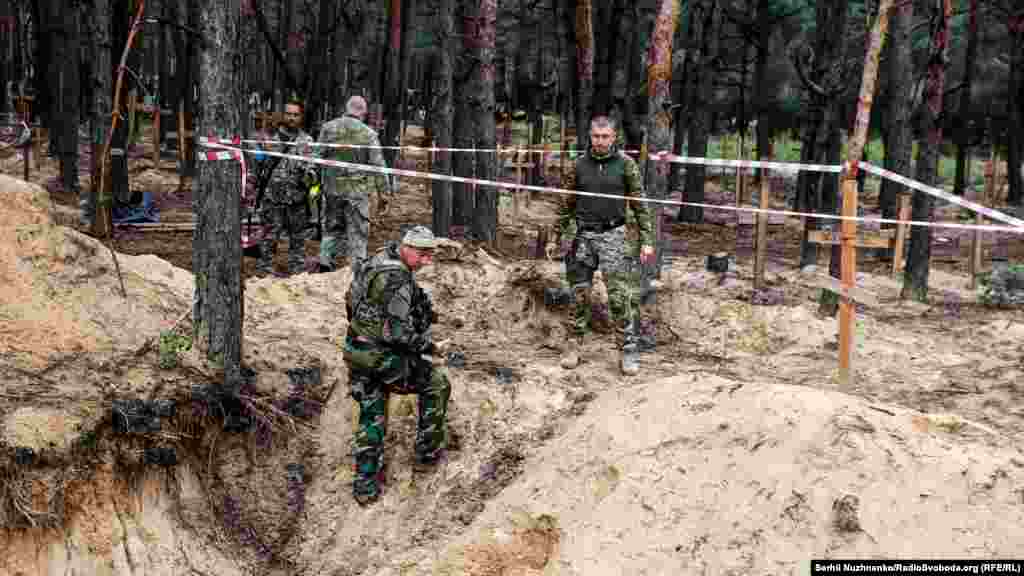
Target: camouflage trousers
{"x":346,"y":227}
{"x":283,"y":219}
{"x":371,"y":390}
{"x":618,"y":262}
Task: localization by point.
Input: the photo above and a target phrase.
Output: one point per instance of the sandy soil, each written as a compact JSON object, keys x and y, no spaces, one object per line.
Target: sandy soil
{"x":736,"y":450}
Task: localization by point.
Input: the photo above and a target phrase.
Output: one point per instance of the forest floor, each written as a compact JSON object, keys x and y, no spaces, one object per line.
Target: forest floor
{"x":736,"y":451}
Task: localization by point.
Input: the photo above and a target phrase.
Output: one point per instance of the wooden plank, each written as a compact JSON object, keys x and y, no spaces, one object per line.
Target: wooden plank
{"x":991,"y":173}
{"x":864,"y":239}
{"x":903,"y":204}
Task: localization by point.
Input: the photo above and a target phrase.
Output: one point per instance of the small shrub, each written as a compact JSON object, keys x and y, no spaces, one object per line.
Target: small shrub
{"x":172,"y":344}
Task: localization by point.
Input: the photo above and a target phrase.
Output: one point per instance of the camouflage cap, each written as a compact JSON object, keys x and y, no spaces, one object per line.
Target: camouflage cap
{"x":420,"y":237}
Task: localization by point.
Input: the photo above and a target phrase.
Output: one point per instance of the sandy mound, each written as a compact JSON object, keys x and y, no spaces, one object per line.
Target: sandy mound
{"x":701,"y":474}
{"x":63,"y":321}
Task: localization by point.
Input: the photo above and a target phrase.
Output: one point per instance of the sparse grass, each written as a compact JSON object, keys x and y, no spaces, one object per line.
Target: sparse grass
{"x":171,"y":345}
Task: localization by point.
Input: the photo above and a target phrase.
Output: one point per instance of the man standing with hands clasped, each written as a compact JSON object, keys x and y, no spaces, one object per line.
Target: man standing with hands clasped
{"x":607,"y":234}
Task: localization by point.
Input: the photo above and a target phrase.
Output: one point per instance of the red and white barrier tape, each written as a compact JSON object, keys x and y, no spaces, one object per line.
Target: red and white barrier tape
{"x":514,"y":186}
{"x":509,"y":150}
{"x":788,"y":166}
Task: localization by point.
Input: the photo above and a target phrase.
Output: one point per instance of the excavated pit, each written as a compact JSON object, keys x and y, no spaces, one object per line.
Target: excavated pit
{"x":735,"y":452}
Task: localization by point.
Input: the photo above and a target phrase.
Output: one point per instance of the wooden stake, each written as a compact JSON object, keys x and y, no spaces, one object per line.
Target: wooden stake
{"x":181,"y":133}
{"x":991,"y":173}
{"x":156,"y":135}
{"x":903,"y":215}
{"x":848,"y":276}
{"x":761,"y":243}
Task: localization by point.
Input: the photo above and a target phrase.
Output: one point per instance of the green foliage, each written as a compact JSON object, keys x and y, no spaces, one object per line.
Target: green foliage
{"x":172,"y":344}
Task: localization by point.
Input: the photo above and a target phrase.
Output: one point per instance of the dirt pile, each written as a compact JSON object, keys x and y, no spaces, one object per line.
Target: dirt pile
{"x":736,"y":451}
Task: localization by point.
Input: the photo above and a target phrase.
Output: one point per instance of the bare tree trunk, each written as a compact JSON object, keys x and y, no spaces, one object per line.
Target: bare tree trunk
{"x":679,"y":115}
{"x":70,"y":97}
{"x":100,"y":113}
{"x":537,"y":100}
{"x":441,"y":115}
{"x":915,"y":281}
{"x":963,"y":130}
{"x":584,"y":71}
{"x":120,"y":191}
{"x":700,"y":115}
{"x":485,"y":217}
{"x":391,"y":97}
{"x":659,"y":120}
{"x":899,"y":142}
{"x":463,"y":201}
{"x":217,"y":252}
{"x":1015,"y":104}
{"x":764,"y":31}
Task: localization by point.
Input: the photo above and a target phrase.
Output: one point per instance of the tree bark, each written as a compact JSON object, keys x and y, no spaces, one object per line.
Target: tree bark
{"x":442,"y":114}
{"x":120,"y":191}
{"x":1015,"y":104}
{"x":391,"y":97}
{"x":700,"y":115}
{"x":764,"y":33}
{"x":463,"y":201}
{"x":915,"y":281}
{"x":963,"y":129}
{"x":100,"y":113}
{"x":485,"y":217}
{"x":584,"y":71}
{"x":217,"y":252}
{"x":70,"y":83}
{"x":899,"y":141}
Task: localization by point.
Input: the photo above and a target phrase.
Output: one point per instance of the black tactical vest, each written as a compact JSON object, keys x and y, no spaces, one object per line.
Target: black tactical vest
{"x":603,"y":176}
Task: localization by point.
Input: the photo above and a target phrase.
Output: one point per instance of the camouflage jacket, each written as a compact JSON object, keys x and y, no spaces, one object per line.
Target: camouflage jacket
{"x":386,"y":307}
{"x":291,"y":179}
{"x":613,"y":173}
{"x":343,"y":181}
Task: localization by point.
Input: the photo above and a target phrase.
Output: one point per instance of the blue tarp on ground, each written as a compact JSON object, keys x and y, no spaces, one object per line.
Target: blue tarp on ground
{"x":145,"y":211}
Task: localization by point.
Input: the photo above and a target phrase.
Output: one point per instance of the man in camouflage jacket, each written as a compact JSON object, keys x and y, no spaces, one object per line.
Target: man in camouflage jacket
{"x":386,"y":349}
{"x":607,"y":234}
{"x":347,"y":191}
{"x":283,"y":205}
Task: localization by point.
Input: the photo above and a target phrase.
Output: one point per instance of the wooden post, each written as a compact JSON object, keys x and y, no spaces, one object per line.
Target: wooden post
{"x":991,"y":173}
{"x":848,"y":276}
{"x":903,"y":215}
{"x":761,"y":242}
{"x":156,"y":134}
{"x":523,"y":174}
{"x":181,"y":134}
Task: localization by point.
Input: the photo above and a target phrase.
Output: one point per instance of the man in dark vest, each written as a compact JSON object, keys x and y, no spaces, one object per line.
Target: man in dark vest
{"x":607,"y":233}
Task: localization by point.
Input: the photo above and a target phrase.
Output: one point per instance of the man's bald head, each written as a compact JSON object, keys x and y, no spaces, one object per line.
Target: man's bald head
{"x":356,"y":106}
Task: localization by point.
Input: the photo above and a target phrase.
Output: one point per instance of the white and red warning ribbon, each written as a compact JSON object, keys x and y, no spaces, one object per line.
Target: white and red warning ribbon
{"x":548,"y":189}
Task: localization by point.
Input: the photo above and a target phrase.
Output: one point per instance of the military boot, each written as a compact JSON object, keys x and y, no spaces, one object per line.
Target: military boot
{"x":557,"y":297}
{"x":629,"y":363}
{"x":571,"y":357}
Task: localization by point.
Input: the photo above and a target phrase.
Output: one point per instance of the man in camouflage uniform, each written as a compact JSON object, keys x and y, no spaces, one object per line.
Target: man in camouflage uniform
{"x":387,"y":350}
{"x":283,"y":205}
{"x":607,"y":234}
{"x":346,"y":193}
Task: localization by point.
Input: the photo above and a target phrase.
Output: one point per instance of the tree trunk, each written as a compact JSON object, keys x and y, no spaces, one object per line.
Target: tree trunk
{"x":463,"y":201}
{"x":584,"y":71}
{"x":408,"y":24}
{"x":700,"y":115}
{"x":1015,"y":104}
{"x":611,"y":13}
{"x":963,"y":130}
{"x":70,"y":98}
{"x":100,"y":113}
{"x":217,"y":252}
{"x":121,"y":193}
{"x":537,"y":99}
{"x":441,"y":115}
{"x":679,"y":116}
{"x":485,"y":217}
{"x":391,"y":97}
{"x":764,"y":30}
{"x":659,"y":119}
{"x":915,"y":282}
{"x":899,"y":142}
